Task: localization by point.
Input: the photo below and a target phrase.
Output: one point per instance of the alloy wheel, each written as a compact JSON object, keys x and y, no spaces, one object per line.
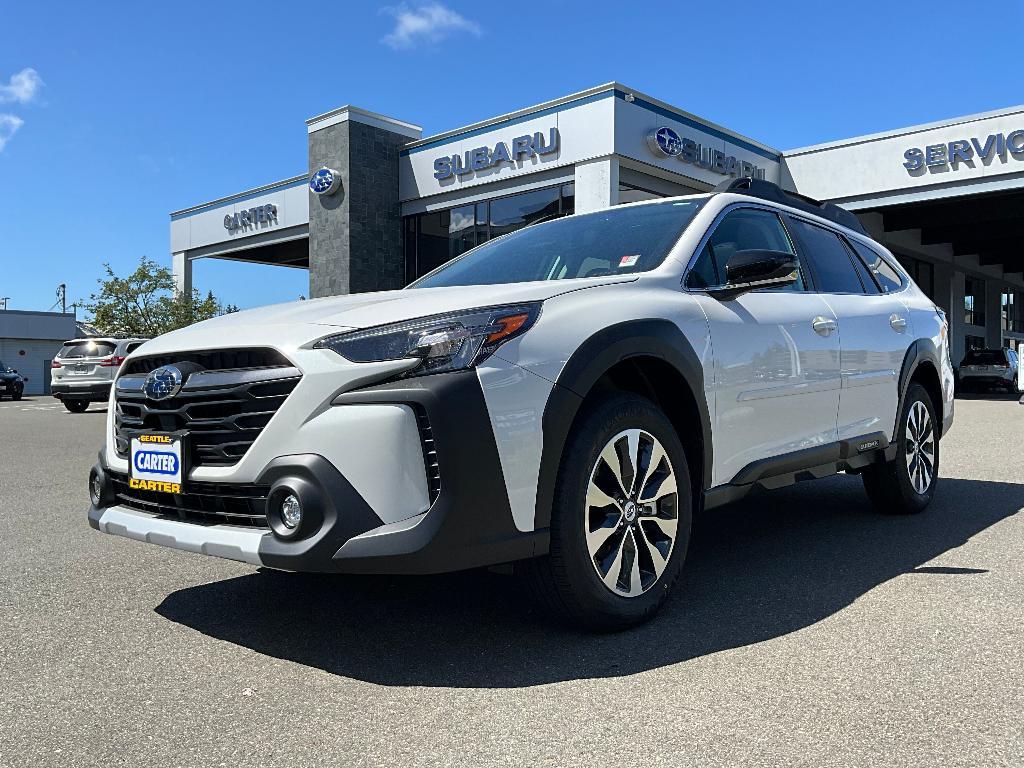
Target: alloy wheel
{"x":631,"y":514}
{"x":920,"y":453}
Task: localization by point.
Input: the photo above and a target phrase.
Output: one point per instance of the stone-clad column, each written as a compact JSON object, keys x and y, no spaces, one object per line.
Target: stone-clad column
{"x":355,"y":234}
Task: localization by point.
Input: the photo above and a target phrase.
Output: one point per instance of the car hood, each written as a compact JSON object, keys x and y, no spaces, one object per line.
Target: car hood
{"x":318,"y":317}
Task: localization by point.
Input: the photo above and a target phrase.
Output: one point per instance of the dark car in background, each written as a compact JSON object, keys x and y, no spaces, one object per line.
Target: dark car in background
{"x":11,"y":383}
{"x":990,"y":368}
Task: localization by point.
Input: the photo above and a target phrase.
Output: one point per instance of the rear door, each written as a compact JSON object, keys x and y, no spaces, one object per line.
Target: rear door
{"x":776,"y":352}
{"x":874,"y":330}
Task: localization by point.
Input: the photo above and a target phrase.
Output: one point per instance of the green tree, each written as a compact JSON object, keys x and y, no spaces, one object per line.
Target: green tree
{"x":145,"y":303}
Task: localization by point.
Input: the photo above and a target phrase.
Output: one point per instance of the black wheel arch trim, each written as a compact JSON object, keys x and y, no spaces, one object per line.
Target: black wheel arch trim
{"x":921,"y":351}
{"x":656,"y":338}
{"x":470,"y":523}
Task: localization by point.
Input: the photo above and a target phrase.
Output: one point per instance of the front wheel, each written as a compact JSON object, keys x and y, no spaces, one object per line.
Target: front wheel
{"x":16,"y":394}
{"x":76,"y":406}
{"x":906,"y":484}
{"x":620,"y":524}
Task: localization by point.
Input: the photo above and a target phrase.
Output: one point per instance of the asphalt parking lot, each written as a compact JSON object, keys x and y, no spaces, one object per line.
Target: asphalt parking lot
{"x":807,"y":631}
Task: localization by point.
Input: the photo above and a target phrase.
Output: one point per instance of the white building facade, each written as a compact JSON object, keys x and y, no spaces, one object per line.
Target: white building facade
{"x":380,"y":205}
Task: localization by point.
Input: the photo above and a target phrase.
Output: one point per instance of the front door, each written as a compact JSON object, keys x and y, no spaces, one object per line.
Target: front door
{"x":776,"y":353}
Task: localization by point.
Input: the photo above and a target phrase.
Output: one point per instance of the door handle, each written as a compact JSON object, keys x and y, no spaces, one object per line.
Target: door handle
{"x":898,"y":323}
{"x":823,"y":325}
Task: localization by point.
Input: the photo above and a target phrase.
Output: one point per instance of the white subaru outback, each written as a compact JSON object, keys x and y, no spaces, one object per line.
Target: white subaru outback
{"x":568,"y":395}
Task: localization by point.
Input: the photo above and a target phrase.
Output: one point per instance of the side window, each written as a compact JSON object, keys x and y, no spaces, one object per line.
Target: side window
{"x":886,"y":276}
{"x":832,"y":262}
{"x":741,"y":230}
{"x":132,"y":347}
{"x":866,"y":280}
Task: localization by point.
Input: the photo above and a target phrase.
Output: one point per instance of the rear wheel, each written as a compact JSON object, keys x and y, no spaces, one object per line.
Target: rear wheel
{"x":76,"y":406}
{"x":620,"y":525}
{"x":906,"y":484}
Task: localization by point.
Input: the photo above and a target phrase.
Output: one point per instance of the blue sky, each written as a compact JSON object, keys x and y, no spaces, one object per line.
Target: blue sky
{"x":114,"y":114}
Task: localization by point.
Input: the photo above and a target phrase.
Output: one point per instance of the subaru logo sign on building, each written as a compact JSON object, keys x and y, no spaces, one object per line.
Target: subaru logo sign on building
{"x":325,"y":181}
{"x":481,"y":158}
{"x":665,"y":142}
{"x":163,"y":383}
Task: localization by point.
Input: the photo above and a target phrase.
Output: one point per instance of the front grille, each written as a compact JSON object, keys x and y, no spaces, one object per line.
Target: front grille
{"x":429,"y":452}
{"x":211,"y":360}
{"x":222,"y":412}
{"x":204,"y":503}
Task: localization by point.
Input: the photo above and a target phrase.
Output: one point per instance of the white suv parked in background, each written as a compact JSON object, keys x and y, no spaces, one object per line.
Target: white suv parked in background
{"x":84,"y":370}
{"x":569,"y":395}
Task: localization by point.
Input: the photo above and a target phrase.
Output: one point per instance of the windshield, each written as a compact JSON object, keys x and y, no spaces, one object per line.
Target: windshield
{"x":618,"y":241}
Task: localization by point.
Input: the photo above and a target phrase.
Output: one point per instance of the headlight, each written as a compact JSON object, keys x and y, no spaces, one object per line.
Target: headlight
{"x":442,"y":342}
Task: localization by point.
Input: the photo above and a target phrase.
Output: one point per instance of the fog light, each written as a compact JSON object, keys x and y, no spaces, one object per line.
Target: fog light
{"x":95,"y":489}
{"x":291,"y":511}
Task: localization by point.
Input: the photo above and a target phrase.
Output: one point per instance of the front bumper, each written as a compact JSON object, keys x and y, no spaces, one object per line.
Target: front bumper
{"x":85,"y":390}
{"x":468,"y":522}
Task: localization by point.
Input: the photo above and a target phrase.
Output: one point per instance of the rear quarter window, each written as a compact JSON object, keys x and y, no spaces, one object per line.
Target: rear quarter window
{"x":887,"y":277}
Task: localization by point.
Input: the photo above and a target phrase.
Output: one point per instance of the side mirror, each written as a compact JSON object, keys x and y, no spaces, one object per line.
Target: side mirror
{"x":753,"y":269}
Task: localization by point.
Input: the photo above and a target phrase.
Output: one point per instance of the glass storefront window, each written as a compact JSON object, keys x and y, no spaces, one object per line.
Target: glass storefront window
{"x":431,"y":239}
{"x":974,"y":301}
{"x":517,"y":211}
{"x":1013,"y":311}
{"x":630,"y":194}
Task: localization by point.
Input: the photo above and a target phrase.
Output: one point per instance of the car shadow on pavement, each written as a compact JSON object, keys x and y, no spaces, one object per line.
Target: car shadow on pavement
{"x":770,"y":565}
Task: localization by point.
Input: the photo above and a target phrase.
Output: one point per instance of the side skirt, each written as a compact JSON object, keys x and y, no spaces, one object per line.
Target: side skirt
{"x":850,"y":455}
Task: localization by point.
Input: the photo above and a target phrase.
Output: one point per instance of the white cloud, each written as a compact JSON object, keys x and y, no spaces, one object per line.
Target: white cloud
{"x":9,"y":125}
{"x":427,"y":22}
{"x":22,"y":87}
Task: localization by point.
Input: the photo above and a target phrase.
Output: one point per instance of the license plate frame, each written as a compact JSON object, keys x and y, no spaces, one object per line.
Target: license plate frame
{"x":161,"y":467}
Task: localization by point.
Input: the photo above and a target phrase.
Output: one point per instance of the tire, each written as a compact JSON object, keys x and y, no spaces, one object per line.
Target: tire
{"x":653,"y":536}
{"x":76,"y":406}
{"x":906,"y":485}
{"x":16,"y":395}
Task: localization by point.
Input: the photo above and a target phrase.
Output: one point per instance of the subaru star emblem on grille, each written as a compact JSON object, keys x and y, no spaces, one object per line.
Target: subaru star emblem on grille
{"x":163,"y":382}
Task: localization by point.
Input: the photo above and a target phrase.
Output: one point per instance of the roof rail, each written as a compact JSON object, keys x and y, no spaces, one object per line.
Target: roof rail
{"x":766,"y":190}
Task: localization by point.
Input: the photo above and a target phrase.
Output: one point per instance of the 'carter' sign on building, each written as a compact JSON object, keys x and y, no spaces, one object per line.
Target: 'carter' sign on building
{"x":485,"y":157}
{"x":258,"y":215}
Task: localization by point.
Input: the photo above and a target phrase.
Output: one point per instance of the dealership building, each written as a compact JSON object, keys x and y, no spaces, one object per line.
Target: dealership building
{"x":380,"y":204}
